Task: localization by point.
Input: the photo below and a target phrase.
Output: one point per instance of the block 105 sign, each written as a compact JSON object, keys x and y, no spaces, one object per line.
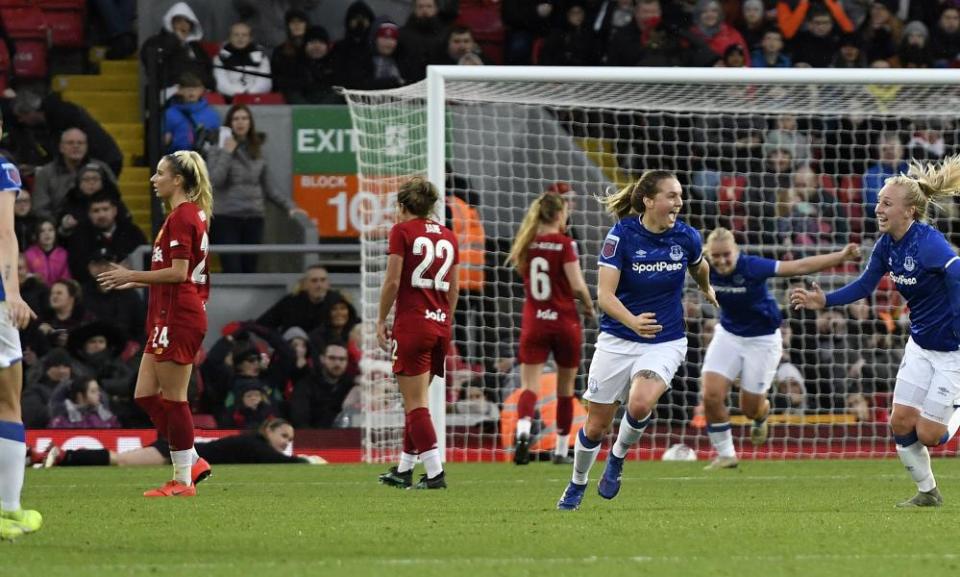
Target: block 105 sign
{"x":333,"y":201}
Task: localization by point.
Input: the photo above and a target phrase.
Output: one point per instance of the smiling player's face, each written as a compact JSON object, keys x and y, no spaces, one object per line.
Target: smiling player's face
{"x":894,"y":214}
{"x":722,"y":255}
{"x":665,"y":206}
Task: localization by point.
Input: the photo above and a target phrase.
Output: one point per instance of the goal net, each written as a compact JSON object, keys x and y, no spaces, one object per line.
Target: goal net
{"x":790,"y":161}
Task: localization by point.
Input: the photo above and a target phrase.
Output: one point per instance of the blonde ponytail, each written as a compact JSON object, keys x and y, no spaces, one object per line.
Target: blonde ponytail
{"x":629,"y":199}
{"x":925,"y":182}
{"x":543,"y":210}
{"x":196,"y":180}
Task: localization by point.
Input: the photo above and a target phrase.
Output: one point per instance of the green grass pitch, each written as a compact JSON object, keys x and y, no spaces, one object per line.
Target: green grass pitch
{"x":799,"y":518}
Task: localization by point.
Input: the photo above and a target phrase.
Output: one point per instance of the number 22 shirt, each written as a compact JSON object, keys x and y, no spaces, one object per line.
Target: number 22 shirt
{"x":429,"y":251}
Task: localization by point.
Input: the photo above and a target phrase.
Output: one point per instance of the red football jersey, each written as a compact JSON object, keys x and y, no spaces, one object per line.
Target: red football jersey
{"x":549,"y":297}
{"x":429,"y":251}
{"x":183,"y":236}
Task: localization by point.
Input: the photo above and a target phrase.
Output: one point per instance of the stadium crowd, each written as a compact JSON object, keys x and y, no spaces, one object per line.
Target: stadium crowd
{"x":789,"y":185}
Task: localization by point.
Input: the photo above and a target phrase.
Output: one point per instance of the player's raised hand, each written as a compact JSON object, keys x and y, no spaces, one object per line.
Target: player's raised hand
{"x":645,"y":325}
{"x":812,"y":299}
{"x":852,"y":252}
{"x":20,"y":312}
{"x":382,"y":338}
{"x":115,"y":278}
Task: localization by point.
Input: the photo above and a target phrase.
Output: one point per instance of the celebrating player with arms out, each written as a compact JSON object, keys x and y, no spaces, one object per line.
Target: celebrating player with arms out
{"x":176,"y":315}
{"x":14,"y":314}
{"x":747,"y":343}
{"x":548,"y":261}
{"x":926,"y":271}
{"x":642,"y":341}
{"x":422,"y":278}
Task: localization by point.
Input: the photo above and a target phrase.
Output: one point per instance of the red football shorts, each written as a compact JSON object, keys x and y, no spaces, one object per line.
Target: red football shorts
{"x":418,"y":353}
{"x":173,"y":343}
{"x":563,"y":339}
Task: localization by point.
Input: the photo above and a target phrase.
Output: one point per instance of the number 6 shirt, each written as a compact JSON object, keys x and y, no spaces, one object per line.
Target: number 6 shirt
{"x":429,"y":251}
{"x":184,"y":237}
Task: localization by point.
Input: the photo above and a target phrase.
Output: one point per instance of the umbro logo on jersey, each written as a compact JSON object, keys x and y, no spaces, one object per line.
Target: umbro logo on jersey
{"x":641,"y":253}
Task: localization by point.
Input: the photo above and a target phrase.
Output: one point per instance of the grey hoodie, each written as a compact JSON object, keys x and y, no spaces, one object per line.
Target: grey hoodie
{"x":240,"y":183}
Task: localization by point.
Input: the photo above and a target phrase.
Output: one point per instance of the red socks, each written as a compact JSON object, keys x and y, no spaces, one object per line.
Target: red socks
{"x":153,"y":406}
{"x":179,"y":425}
{"x":564,"y":415}
{"x":408,"y":446}
{"x":526,"y":404}
{"x":421,"y":431}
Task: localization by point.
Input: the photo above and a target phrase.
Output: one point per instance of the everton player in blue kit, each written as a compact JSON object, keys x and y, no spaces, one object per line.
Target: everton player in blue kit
{"x":926,"y":271}
{"x":642,"y":341}
{"x":747,"y":343}
{"x":14,"y":314}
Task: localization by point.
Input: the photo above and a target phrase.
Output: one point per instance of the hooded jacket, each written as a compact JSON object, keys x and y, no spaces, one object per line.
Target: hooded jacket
{"x":232,"y":64}
{"x":179,"y":57}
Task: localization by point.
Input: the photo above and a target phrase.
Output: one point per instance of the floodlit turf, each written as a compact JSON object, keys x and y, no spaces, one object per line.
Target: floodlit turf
{"x":785,"y":518}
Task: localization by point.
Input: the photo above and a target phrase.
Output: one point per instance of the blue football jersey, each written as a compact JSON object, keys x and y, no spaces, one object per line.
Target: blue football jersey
{"x":9,"y":182}
{"x":746,"y":307}
{"x":652,"y":268}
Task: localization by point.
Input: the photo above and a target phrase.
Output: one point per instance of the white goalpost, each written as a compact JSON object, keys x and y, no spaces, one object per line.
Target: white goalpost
{"x":788,"y":159}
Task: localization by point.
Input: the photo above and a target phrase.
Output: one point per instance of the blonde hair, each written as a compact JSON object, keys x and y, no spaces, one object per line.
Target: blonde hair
{"x":629,"y":199}
{"x":543,"y":210}
{"x":925,"y":182}
{"x":418,"y":195}
{"x":720,"y":234}
{"x":190,"y":166}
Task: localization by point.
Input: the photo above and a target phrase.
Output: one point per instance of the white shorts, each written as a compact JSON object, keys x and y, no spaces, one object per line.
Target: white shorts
{"x":753,"y":359}
{"x":928,"y":381}
{"x":616,"y":361}
{"x":10,"y":351}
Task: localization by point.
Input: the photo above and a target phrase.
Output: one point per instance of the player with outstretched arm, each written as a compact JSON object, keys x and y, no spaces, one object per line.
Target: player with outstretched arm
{"x":643,"y":263}
{"x":548,"y":261}
{"x":176,"y":313}
{"x":926,"y":271}
{"x":421,"y":279}
{"x":747,"y":343}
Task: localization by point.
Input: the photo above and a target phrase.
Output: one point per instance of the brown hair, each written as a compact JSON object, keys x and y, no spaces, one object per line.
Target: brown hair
{"x":271,"y":425}
{"x":543,"y":210}
{"x":629,"y":199}
{"x":925,"y":182}
{"x":254,"y":139}
{"x":418,"y":196}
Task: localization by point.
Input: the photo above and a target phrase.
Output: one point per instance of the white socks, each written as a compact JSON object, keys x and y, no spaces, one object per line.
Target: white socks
{"x":407,"y":462}
{"x":563,"y":445}
{"x":523,"y":427}
{"x":431,"y":461}
{"x":584,"y":454}
{"x":12,"y":449}
{"x":182,"y":465}
{"x":630,"y":431}
{"x":721,"y":437}
{"x":916,"y":459}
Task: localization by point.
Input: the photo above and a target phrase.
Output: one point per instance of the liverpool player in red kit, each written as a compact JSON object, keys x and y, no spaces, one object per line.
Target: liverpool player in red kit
{"x":176,"y":316}
{"x":547,"y":259}
{"x":422,"y":279}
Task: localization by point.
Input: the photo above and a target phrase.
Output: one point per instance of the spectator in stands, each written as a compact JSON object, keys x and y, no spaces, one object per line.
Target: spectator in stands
{"x":880,"y":356}
{"x":614,"y":16}
{"x":55,"y":179}
{"x":46,"y":118}
{"x":307,"y":306}
{"x":573,"y":43}
{"x":524,"y":22}
{"x":786,"y":135}
{"x":318,"y":398}
{"x":24,"y":219}
{"x":267,"y":18}
{"x":252,"y":407}
{"x":459,"y":43}
{"x":763,"y":190}
{"x":753,"y":25}
{"x":945,"y":39}
{"x":708,"y":24}
{"x":316,"y":80}
{"x":82,"y":408}
{"x":382,"y":70}
{"x":33,"y":290}
{"x":473,"y":408}
{"x":189,"y":122}
{"x":817,"y":44}
{"x":789,"y":395}
{"x":647,"y":41}
{"x":791,"y":15}
{"x":179,"y":46}
{"x":242,"y":66}
{"x":770,"y":54}
{"x":834,"y":358}
{"x":341,"y":318}
{"x":351,"y":53}
{"x":733,"y":57}
{"x":299,"y":342}
{"x":880,"y":32}
{"x":287,"y":61}
{"x":64,"y":312}
{"x":242,"y":182}
{"x":422,"y":38}
{"x":849,"y":54}
{"x":124,"y":310}
{"x":914,"y":50}
{"x":45,"y":257}
{"x":91,"y":179}
{"x":927,"y":142}
{"x":56,"y":368}
{"x":230,"y":364}
{"x":117,"y":18}
{"x":104,"y":230}
{"x":890,"y":162}
{"x":814,"y":216}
